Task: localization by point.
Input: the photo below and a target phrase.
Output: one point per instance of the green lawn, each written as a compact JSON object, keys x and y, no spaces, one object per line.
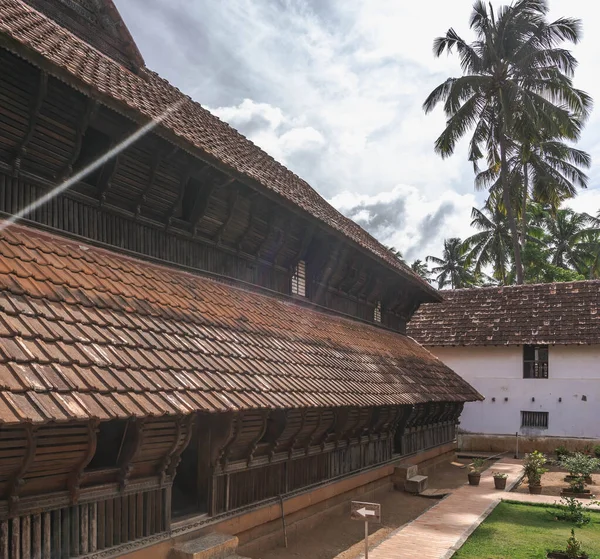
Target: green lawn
{"x":516,"y":531}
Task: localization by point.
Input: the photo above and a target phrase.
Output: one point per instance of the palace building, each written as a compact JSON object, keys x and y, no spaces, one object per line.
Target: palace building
{"x":191,"y":338}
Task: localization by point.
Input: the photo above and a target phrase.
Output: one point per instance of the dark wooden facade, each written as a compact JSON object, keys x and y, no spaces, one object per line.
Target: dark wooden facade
{"x":90,"y":489}
{"x":87,"y":488}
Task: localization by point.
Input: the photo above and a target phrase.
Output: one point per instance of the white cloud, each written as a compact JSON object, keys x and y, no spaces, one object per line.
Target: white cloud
{"x":333,"y":89}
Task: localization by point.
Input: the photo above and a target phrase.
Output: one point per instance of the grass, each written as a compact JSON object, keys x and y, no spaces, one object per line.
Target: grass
{"x":518,"y":531}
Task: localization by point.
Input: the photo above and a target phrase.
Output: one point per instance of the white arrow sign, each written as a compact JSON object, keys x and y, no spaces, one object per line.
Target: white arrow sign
{"x":366,"y":512}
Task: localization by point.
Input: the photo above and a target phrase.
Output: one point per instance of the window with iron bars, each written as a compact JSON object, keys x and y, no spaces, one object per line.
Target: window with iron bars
{"x":537,"y":419}
{"x":535,"y":361}
{"x":377,"y":312}
{"x":299,"y":279}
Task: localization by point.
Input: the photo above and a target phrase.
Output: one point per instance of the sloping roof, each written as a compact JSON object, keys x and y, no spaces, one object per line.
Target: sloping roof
{"x":552,"y":313}
{"x":97,"y":22}
{"x":151,"y":97}
{"x":88,"y":332}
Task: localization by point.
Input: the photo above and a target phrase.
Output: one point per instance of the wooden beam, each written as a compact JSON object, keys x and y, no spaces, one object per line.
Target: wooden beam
{"x":202,"y":202}
{"x":359,"y":280}
{"x":82,"y":125}
{"x":34,"y":114}
{"x":232,"y":202}
{"x":131,"y":453}
{"x":76,"y":475}
{"x":18,"y":480}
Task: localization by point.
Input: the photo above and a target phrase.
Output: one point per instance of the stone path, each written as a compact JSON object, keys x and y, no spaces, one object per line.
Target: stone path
{"x":442,"y":529}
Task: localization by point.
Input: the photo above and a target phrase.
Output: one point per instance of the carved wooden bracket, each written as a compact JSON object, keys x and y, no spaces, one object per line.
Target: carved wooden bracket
{"x":133,"y":451}
{"x":311,"y":437}
{"x":306,"y":240}
{"x":176,"y":206}
{"x":203,"y":201}
{"x":156,"y":163}
{"x":278,"y":422}
{"x":270,"y":228}
{"x":295,"y":436}
{"x":77,"y":473}
{"x":254,"y":444}
{"x":33,"y":118}
{"x":232,"y":203}
{"x":187,"y":424}
{"x":226,"y":451}
{"x":108,"y":172}
{"x":82,"y":126}
{"x":251,"y":221}
{"x":18,"y":480}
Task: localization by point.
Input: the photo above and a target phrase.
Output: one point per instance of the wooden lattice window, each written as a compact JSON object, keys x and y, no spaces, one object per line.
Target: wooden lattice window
{"x":299,"y":279}
{"x":535,"y":361}
{"x":377,"y":312}
{"x":536,"y":419}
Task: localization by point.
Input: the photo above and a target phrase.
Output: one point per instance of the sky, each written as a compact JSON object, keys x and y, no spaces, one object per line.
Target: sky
{"x":333,"y":89}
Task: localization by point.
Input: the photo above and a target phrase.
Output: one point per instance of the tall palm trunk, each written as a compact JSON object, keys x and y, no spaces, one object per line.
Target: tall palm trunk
{"x":524,"y":205}
{"x":512,"y":222}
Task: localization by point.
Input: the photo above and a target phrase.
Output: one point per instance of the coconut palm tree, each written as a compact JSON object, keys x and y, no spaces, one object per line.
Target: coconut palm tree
{"x":515,"y":78}
{"x":573,"y":240}
{"x":491,"y":245}
{"x":420,"y":268}
{"x":452,"y":268}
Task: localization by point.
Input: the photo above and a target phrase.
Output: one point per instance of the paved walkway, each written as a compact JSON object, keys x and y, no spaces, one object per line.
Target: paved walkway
{"x":442,"y":529}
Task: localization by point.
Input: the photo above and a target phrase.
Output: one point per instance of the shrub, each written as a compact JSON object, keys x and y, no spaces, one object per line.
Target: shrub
{"x":561,"y":452}
{"x":534,"y":467}
{"x":580,"y":466}
{"x":573,"y":550}
{"x":597,"y":451}
{"x":570,"y":509}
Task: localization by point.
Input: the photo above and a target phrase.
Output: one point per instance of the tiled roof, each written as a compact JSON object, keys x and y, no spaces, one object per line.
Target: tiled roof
{"x":552,"y":313}
{"x":151,"y":96}
{"x":87,"y":332}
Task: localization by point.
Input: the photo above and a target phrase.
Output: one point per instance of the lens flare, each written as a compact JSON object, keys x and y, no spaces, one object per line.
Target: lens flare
{"x":113,"y":152}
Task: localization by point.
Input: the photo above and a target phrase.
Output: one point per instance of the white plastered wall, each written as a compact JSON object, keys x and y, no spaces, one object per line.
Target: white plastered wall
{"x":497,"y":372}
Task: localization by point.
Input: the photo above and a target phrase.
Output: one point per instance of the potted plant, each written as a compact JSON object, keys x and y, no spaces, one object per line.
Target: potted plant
{"x":580,"y":467}
{"x":574,"y":550}
{"x":500,"y":480}
{"x":534,"y":469}
{"x":475,"y":471}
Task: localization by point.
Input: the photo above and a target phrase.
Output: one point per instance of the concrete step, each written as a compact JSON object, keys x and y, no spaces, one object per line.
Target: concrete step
{"x":416,"y":484}
{"x":435,"y":493}
{"x":211,"y":546}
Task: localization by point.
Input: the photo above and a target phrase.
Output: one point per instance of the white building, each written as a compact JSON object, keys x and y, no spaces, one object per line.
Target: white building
{"x":533,"y":351}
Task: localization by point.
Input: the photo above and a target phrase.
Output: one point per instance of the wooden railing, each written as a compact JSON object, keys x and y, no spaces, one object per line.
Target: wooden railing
{"x":240,"y":488}
{"x":423,"y":437}
{"x":75,"y":531}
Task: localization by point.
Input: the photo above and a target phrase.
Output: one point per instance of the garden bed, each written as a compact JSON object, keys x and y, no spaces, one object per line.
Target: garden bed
{"x":521,"y":531}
